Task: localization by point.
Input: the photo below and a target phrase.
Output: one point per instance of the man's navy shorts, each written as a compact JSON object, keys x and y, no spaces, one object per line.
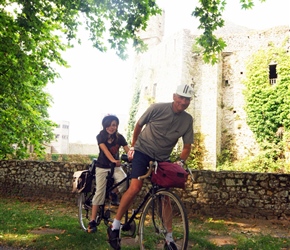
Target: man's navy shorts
{"x":140,"y":163}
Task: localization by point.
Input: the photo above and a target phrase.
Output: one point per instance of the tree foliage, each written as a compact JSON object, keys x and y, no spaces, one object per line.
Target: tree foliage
{"x":267,"y":105}
{"x":209,"y":14}
{"x":32,"y":35}
{"x":210,"y":18}
{"x":31,"y":40}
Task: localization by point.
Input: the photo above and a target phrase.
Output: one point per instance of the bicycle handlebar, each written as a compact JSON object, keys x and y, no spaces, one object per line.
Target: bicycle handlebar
{"x":124,"y":158}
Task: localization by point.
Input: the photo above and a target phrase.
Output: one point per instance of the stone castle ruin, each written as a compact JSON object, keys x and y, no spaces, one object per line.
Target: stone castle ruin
{"x":217,"y":107}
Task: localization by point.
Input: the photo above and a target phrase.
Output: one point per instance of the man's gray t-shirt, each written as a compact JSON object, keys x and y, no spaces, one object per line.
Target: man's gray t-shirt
{"x":162,"y":131}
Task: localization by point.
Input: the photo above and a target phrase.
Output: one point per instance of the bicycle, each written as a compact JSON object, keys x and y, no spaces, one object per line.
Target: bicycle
{"x":106,"y":210}
{"x":154,"y":219}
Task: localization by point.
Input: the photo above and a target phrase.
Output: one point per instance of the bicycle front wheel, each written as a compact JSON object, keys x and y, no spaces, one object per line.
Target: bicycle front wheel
{"x":163,"y":213}
{"x":84,"y":209}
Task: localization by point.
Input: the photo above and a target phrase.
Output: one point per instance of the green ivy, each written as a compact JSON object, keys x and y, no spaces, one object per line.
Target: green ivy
{"x":54,"y":157}
{"x":228,"y":153}
{"x":267,"y":105}
{"x":133,"y":111}
{"x":268,"y":111}
{"x":197,"y":153}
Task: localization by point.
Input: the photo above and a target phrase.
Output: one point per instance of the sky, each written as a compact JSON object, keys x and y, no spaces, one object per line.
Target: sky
{"x":98,"y":83}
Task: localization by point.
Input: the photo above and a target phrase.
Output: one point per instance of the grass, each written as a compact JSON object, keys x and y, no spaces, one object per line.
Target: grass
{"x":26,"y":224}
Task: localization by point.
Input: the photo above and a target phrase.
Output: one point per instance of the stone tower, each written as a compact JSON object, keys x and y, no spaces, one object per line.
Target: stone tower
{"x":218,"y":104}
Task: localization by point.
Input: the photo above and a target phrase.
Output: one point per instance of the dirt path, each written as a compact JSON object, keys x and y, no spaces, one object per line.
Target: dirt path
{"x":248,"y":227}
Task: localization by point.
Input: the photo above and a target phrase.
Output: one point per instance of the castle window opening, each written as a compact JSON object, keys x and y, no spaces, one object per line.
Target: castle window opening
{"x":227,"y":83}
{"x":272,"y":73}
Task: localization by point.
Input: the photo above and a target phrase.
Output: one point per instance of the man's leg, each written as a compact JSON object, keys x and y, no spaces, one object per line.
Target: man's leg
{"x":126,"y":200}
{"x":167,"y":213}
{"x":139,"y":167}
{"x":167,"y":220}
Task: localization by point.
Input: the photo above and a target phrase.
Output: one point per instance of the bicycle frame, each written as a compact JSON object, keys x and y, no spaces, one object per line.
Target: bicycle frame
{"x":148,"y":205}
{"x":126,"y":226}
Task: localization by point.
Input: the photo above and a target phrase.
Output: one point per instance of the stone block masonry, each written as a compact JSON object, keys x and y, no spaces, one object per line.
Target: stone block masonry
{"x":38,"y":180}
{"x":238,"y":194}
{"x":226,"y":194}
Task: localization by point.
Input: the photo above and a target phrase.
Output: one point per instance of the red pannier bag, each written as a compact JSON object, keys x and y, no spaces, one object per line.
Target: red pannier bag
{"x":168,"y":174}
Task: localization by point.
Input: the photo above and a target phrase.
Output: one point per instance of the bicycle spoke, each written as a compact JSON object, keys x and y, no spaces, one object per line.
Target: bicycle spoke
{"x":162,"y":214}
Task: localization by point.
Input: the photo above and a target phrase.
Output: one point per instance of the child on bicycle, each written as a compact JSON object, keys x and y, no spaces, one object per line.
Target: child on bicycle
{"x":109,"y":141}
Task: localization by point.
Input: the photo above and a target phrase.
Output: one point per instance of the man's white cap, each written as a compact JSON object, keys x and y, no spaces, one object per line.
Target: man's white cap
{"x":184,"y":90}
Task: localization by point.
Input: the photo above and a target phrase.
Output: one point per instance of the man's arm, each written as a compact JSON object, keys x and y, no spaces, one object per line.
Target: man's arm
{"x":185,"y":152}
{"x":137,"y":131}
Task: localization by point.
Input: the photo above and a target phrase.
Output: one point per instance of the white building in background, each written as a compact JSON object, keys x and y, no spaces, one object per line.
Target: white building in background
{"x":61,"y":145}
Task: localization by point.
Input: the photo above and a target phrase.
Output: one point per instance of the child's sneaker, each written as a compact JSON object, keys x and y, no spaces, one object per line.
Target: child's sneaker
{"x":92,"y":226}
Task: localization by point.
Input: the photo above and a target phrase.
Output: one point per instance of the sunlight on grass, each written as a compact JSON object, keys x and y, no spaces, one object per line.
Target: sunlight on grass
{"x":18,"y":238}
{"x":211,"y":224}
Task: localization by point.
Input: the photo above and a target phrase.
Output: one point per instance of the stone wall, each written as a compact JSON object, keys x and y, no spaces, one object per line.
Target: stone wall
{"x":38,"y":180}
{"x":236,"y":194}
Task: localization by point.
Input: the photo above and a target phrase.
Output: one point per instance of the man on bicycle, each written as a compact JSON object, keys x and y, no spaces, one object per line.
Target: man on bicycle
{"x":165,"y":124}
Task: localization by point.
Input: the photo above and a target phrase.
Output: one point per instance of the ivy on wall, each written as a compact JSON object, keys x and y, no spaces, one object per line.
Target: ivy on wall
{"x":197,"y":153}
{"x":133,"y":111}
{"x":268,"y":103}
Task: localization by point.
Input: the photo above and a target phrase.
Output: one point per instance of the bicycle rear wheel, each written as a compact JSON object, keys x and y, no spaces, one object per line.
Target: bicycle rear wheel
{"x":163,"y":213}
{"x":84,"y":209}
